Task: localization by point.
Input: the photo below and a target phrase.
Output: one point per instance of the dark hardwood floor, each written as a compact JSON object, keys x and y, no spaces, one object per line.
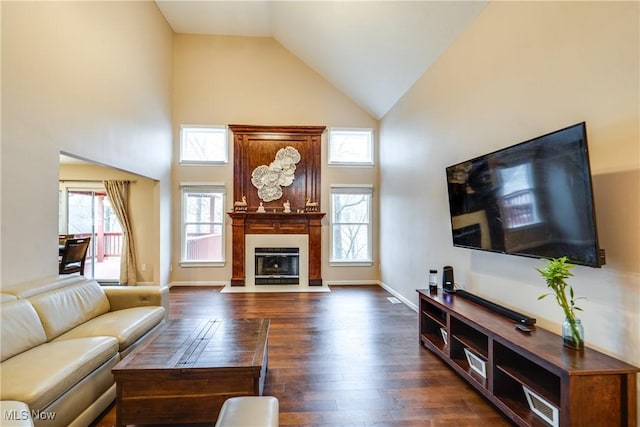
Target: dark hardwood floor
{"x":345,"y":358}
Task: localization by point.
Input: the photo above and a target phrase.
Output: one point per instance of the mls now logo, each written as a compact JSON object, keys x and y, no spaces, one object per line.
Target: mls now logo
{"x":23,"y":415}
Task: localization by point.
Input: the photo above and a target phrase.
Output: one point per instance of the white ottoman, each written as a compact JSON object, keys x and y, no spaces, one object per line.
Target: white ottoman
{"x":15,"y":414}
{"x":249,"y":411}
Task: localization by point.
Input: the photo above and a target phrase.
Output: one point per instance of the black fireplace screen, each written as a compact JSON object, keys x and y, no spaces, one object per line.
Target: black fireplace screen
{"x":277,"y":266}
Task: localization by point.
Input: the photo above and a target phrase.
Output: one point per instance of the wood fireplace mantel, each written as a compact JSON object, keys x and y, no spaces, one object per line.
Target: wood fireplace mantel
{"x":244,"y":223}
{"x":255,"y":146}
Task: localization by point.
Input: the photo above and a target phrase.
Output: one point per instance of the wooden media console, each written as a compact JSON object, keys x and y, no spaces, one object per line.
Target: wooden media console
{"x":531,"y":377}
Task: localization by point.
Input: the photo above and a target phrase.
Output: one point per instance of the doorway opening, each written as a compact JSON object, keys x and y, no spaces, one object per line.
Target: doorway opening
{"x":85,"y":211}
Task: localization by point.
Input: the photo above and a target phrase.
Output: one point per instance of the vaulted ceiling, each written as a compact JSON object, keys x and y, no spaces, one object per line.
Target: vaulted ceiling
{"x":373,"y":51}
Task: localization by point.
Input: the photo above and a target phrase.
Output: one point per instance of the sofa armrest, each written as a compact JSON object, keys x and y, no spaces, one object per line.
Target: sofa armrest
{"x":15,"y":414}
{"x":121,"y":297}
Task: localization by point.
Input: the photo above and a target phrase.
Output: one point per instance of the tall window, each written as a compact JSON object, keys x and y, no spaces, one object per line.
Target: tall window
{"x":350,"y":147}
{"x":202,"y":224}
{"x":351,"y":232}
{"x":203,"y":144}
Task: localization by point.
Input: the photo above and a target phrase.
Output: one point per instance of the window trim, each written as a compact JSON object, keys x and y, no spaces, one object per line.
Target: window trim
{"x":367,"y":163}
{"x":185,"y":127}
{"x":366,"y":189}
{"x":213,"y":187}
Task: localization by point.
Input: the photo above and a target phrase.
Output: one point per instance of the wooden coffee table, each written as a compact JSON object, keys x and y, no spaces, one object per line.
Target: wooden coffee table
{"x":189,"y":369}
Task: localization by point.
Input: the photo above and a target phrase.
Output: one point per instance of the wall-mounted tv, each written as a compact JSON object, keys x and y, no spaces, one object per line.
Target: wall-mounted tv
{"x":533,"y":199}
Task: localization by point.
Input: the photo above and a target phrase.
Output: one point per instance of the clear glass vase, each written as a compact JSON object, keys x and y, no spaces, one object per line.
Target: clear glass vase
{"x":573,"y":334}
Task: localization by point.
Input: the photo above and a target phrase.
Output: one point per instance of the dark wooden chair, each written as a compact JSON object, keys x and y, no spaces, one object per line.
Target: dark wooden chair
{"x":63,"y":238}
{"x":73,"y":256}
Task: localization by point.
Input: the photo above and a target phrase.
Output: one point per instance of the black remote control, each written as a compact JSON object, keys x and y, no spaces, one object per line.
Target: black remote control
{"x":522,"y":328}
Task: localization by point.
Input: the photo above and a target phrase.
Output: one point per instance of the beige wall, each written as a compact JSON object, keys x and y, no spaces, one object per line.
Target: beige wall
{"x":255,"y":81}
{"x":91,"y":79}
{"x":141,"y":210}
{"x":520,"y":70}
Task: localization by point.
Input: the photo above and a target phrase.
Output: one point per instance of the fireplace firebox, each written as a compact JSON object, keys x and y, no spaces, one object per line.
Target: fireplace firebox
{"x":277,"y":266}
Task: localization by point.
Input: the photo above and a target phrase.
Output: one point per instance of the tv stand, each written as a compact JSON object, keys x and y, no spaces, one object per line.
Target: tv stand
{"x":520,"y":318}
{"x":530,"y":377}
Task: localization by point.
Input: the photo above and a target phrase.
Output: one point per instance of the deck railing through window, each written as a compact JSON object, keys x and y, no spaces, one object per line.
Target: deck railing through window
{"x":109,"y":246}
{"x":203,"y":247}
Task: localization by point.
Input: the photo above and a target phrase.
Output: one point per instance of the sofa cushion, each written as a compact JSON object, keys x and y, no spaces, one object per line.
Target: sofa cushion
{"x":20,"y":328}
{"x":126,"y":325}
{"x":7,"y":297}
{"x":62,"y":309}
{"x":42,"y":374}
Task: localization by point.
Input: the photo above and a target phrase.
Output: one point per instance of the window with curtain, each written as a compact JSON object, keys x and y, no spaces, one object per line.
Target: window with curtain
{"x":351,"y":226}
{"x":203,"y":207}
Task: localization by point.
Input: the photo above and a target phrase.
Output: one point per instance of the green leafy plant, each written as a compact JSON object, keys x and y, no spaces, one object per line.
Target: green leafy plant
{"x":556,"y":273}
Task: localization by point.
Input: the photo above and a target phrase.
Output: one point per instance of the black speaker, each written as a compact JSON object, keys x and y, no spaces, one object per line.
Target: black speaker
{"x":447,"y":279}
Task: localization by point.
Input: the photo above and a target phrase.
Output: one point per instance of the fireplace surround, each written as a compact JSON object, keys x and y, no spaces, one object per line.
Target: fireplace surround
{"x":298,"y":241}
{"x":296,"y":212}
{"x":278,"y":228}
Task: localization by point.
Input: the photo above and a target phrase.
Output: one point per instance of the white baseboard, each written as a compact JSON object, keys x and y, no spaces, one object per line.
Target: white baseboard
{"x":413,"y":306}
{"x":350,"y":282}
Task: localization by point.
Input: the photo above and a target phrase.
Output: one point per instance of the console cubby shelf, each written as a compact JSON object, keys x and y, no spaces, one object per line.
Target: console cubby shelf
{"x":567,"y":387}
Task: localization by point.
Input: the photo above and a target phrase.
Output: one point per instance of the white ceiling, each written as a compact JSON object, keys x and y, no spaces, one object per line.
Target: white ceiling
{"x":373,"y":51}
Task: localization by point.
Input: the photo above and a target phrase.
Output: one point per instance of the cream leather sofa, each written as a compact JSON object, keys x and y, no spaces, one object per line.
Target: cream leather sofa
{"x":60,"y":338}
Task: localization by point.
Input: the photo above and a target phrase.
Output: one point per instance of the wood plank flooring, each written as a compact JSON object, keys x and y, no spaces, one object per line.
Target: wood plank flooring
{"x":345,"y":358}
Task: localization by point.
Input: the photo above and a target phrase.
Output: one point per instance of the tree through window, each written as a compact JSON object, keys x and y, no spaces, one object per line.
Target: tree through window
{"x":203,"y":144}
{"x":351,"y":224}
{"x":350,"y":146}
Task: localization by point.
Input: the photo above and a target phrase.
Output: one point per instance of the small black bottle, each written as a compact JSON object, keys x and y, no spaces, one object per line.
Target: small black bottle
{"x":433,"y":280}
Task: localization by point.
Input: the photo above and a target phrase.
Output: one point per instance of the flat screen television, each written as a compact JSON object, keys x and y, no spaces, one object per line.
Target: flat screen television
{"x":532,"y":199}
